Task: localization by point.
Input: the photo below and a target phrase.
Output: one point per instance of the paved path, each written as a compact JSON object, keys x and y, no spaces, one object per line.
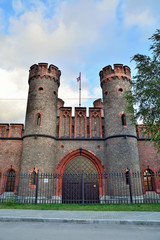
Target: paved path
{"x":74,"y":231}
{"x":138,"y":218}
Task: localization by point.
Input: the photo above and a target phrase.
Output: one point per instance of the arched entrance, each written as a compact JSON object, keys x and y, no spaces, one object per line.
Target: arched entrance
{"x":80,"y":182}
{"x":10,"y":181}
{"x":80,"y":169}
{"x":149,"y":183}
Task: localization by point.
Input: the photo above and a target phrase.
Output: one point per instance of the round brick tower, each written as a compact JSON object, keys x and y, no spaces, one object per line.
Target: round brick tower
{"x":39,"y":143}
{"x":121,"y":150}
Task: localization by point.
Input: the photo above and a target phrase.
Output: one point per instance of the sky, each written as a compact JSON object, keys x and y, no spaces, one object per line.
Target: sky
{"x":76,"y":36}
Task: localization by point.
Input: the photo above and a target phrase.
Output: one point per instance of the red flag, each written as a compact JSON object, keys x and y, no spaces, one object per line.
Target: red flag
{"x":79,"y":78}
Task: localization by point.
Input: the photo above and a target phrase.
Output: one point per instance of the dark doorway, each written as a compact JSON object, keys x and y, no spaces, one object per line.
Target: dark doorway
{"x":91,"y":191}
{"x":80,"y":182}
{"x":10,"y":181}
{"x":72,"y":188}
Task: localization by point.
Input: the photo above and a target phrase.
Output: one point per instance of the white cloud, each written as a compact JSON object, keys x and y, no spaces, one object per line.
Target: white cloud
{"x":74,"y":26}
{"x":12,"y":111}
{"x":14,"y":86}
{"x":62,"y":38}
{"x":141,"y":13}
{"x":17,"y":6}
{"x":14,"y":82}
{"x":97,"y":91}
{"x":72,"y":35}
{"x":70,"y":93}
{"x":142,"y":18}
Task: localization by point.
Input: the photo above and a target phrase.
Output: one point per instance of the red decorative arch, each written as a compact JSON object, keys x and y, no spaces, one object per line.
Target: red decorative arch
{"x":4,"y":178}
{"x":85,"y":153}
{"x":154,"y":171}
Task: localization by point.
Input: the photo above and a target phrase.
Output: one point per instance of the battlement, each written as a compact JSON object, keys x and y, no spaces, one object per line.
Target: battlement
{"x":142,"y":133}
{"x":11,"y":131}
{"x":119,"y":71}
{"x":79,"y":125}
{"x":99,"y":104}
{"x":60,"y":103}
{"x":42,"y":70}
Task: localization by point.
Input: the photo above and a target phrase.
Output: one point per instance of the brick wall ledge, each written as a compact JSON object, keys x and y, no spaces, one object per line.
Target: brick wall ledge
{"x":78,"y":138}
{"x":98,"y":138}
{"x":62,"y":138}
{"x":121,"y":136}
{"x":144,"y":139}
{"x":11,"y":138}
{"x":39,"y":135}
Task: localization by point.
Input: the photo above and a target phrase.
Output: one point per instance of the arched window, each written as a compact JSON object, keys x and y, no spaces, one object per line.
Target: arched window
{"x":33,"y":178}
{"x":149,"y":182}
{"x":123,"y":119}
{"x":127,"y":177}
{"x":38,"y":119}
{"x":10,"y":181}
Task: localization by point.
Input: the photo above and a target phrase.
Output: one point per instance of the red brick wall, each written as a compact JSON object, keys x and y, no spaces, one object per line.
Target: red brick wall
{"x":10,"y":154}
{"x":148,"y":156}
{"x":11,"y":150}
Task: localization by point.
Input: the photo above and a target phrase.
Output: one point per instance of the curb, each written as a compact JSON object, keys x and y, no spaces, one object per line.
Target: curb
{"x":84,"y":221}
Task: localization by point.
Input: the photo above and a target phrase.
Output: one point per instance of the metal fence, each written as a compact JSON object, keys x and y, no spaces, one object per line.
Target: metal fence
{"x":81,"y":188}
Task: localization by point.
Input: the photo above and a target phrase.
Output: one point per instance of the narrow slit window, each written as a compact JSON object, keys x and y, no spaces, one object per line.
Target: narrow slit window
{"x":38,"y":119}
{"x":127,"y":177}
{"x":33,"y":178}
{"x":123,"y":118}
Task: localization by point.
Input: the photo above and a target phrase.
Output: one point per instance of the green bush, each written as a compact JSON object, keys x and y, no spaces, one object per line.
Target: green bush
{"x":10,"y":201}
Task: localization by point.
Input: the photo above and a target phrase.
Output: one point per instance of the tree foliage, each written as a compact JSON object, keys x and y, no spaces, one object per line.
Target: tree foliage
{"x":145,"y":95}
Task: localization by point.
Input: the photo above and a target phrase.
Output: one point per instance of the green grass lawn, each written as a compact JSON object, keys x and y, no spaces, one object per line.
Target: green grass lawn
{"x":87,"y":207}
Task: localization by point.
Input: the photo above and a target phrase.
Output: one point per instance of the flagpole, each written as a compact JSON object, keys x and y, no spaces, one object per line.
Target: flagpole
{"x":80,"y":90}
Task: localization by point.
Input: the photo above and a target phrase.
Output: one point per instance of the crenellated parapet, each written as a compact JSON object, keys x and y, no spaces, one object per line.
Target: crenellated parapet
{"x":11,"y":131}
{"x":65,"y":122}
{"x":80,"y":129}
{"x":60,"y":103}
{"x":4,"y":128}
{"x":95,"y":119}
{"x":119,"y":71}
{"x":79,"y":125}
{"x":99,"y":104}
{"x":142,"y":132}
{"x":42,"y":70}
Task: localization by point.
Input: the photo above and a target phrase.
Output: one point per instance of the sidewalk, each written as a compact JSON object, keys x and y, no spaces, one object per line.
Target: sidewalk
{"x":136,"y":218}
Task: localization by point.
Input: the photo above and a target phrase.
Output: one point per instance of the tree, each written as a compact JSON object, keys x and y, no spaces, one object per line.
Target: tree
{"x":145,"y":86}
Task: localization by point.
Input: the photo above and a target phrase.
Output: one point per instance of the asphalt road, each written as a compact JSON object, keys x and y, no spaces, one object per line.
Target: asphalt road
{"x":67,"y":231}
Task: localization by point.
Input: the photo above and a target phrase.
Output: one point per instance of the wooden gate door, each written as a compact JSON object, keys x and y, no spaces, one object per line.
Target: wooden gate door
{"x":78,"y":187}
